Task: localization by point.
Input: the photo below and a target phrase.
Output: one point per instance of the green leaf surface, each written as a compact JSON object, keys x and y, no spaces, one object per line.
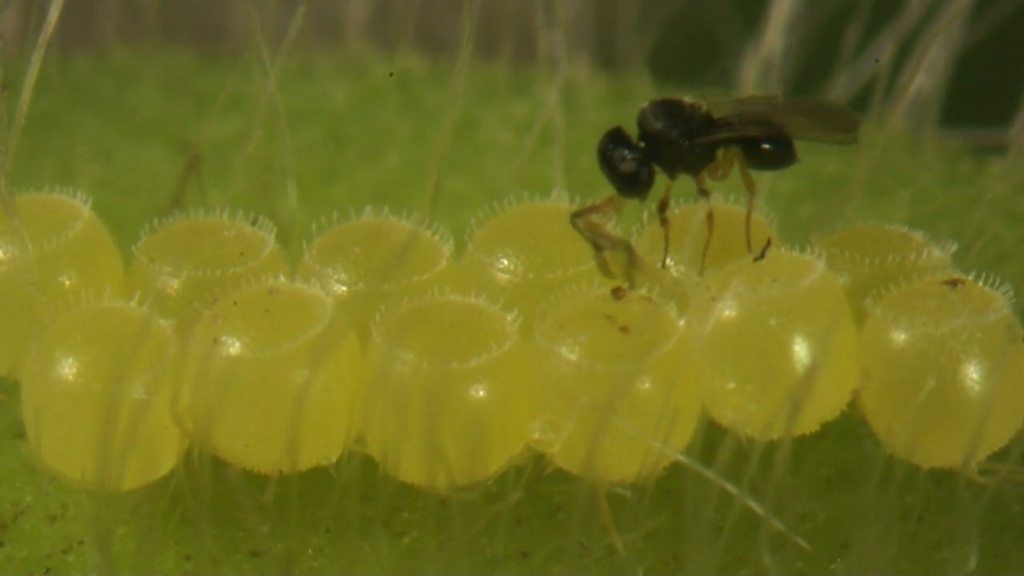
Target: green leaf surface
{"x":137,"y":131}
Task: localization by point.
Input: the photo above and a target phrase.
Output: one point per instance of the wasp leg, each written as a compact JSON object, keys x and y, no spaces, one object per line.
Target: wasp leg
{"x":705,"y":195}
{"x":720,"y":169}
{"x":602,"y":240}
{"x":748,"y":183}
{"x":729,"y":157}
{"x":663,"y":205}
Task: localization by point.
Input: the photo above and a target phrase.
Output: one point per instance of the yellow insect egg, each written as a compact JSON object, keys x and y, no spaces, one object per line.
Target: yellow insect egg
{"x":97,"y":397}
{"x":777,"y":345}
{"x":56,"y":250}
{"x":272,"y":375}
{"x":617,"y":385}
{"x":525,"y":252}
{"x":688,"y":232}
{"x":872,"y":257}
{"x":184,"y":264}
{"x":943,"y":371}
{"x":447,"y":401}
{"x":369,"y":261}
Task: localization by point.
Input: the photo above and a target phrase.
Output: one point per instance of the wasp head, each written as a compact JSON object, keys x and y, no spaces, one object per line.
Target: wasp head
{"x":625,"y":164}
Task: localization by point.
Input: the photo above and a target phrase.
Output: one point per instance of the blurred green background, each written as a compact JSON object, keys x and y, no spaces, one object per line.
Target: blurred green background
{"x":151,"y":105}
{"x":678,"y":42}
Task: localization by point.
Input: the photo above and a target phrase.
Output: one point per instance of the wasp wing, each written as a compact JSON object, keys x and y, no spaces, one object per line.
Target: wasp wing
{"x":801,"y":118}
{"x":733,"y":130}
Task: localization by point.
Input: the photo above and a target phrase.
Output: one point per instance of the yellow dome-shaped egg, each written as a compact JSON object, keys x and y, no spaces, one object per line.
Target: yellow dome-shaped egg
{"x":617,"y":388}
{"x":98,"y":395}
{"x":872,"y":257}
{"x":55,"y":252}
{"x":777,"y":344}
{"x":688,"y":233}
{"x":370,"y":261}
{"x":447,"y":400}
{"x":185,"y":264}
{"x":272,"y":376}
{"x":943,"y":371}
{"x":524,"y":253}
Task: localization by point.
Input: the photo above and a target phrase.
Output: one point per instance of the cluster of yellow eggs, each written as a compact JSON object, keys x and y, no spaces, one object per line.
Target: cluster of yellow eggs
{"x":446,"y":370}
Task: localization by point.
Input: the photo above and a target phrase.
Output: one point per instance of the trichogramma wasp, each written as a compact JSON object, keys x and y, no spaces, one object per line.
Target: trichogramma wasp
{"x":682,"y":136}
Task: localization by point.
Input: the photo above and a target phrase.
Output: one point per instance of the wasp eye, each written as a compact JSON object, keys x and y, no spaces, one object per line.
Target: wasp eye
{"x":624,"y":163}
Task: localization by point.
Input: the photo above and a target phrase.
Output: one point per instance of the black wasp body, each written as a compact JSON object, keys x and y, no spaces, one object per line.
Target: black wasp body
{"x":683,"y":137}
{"x":679,"y":136}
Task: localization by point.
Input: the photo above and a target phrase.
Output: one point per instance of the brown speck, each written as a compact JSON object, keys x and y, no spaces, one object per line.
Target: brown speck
{"x":625,"y":329}
{"x":954,"y":283}
{"x":619,"y":292}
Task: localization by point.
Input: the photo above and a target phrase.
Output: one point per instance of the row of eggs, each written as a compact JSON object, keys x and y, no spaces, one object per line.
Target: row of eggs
{"x":445,"y":372}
